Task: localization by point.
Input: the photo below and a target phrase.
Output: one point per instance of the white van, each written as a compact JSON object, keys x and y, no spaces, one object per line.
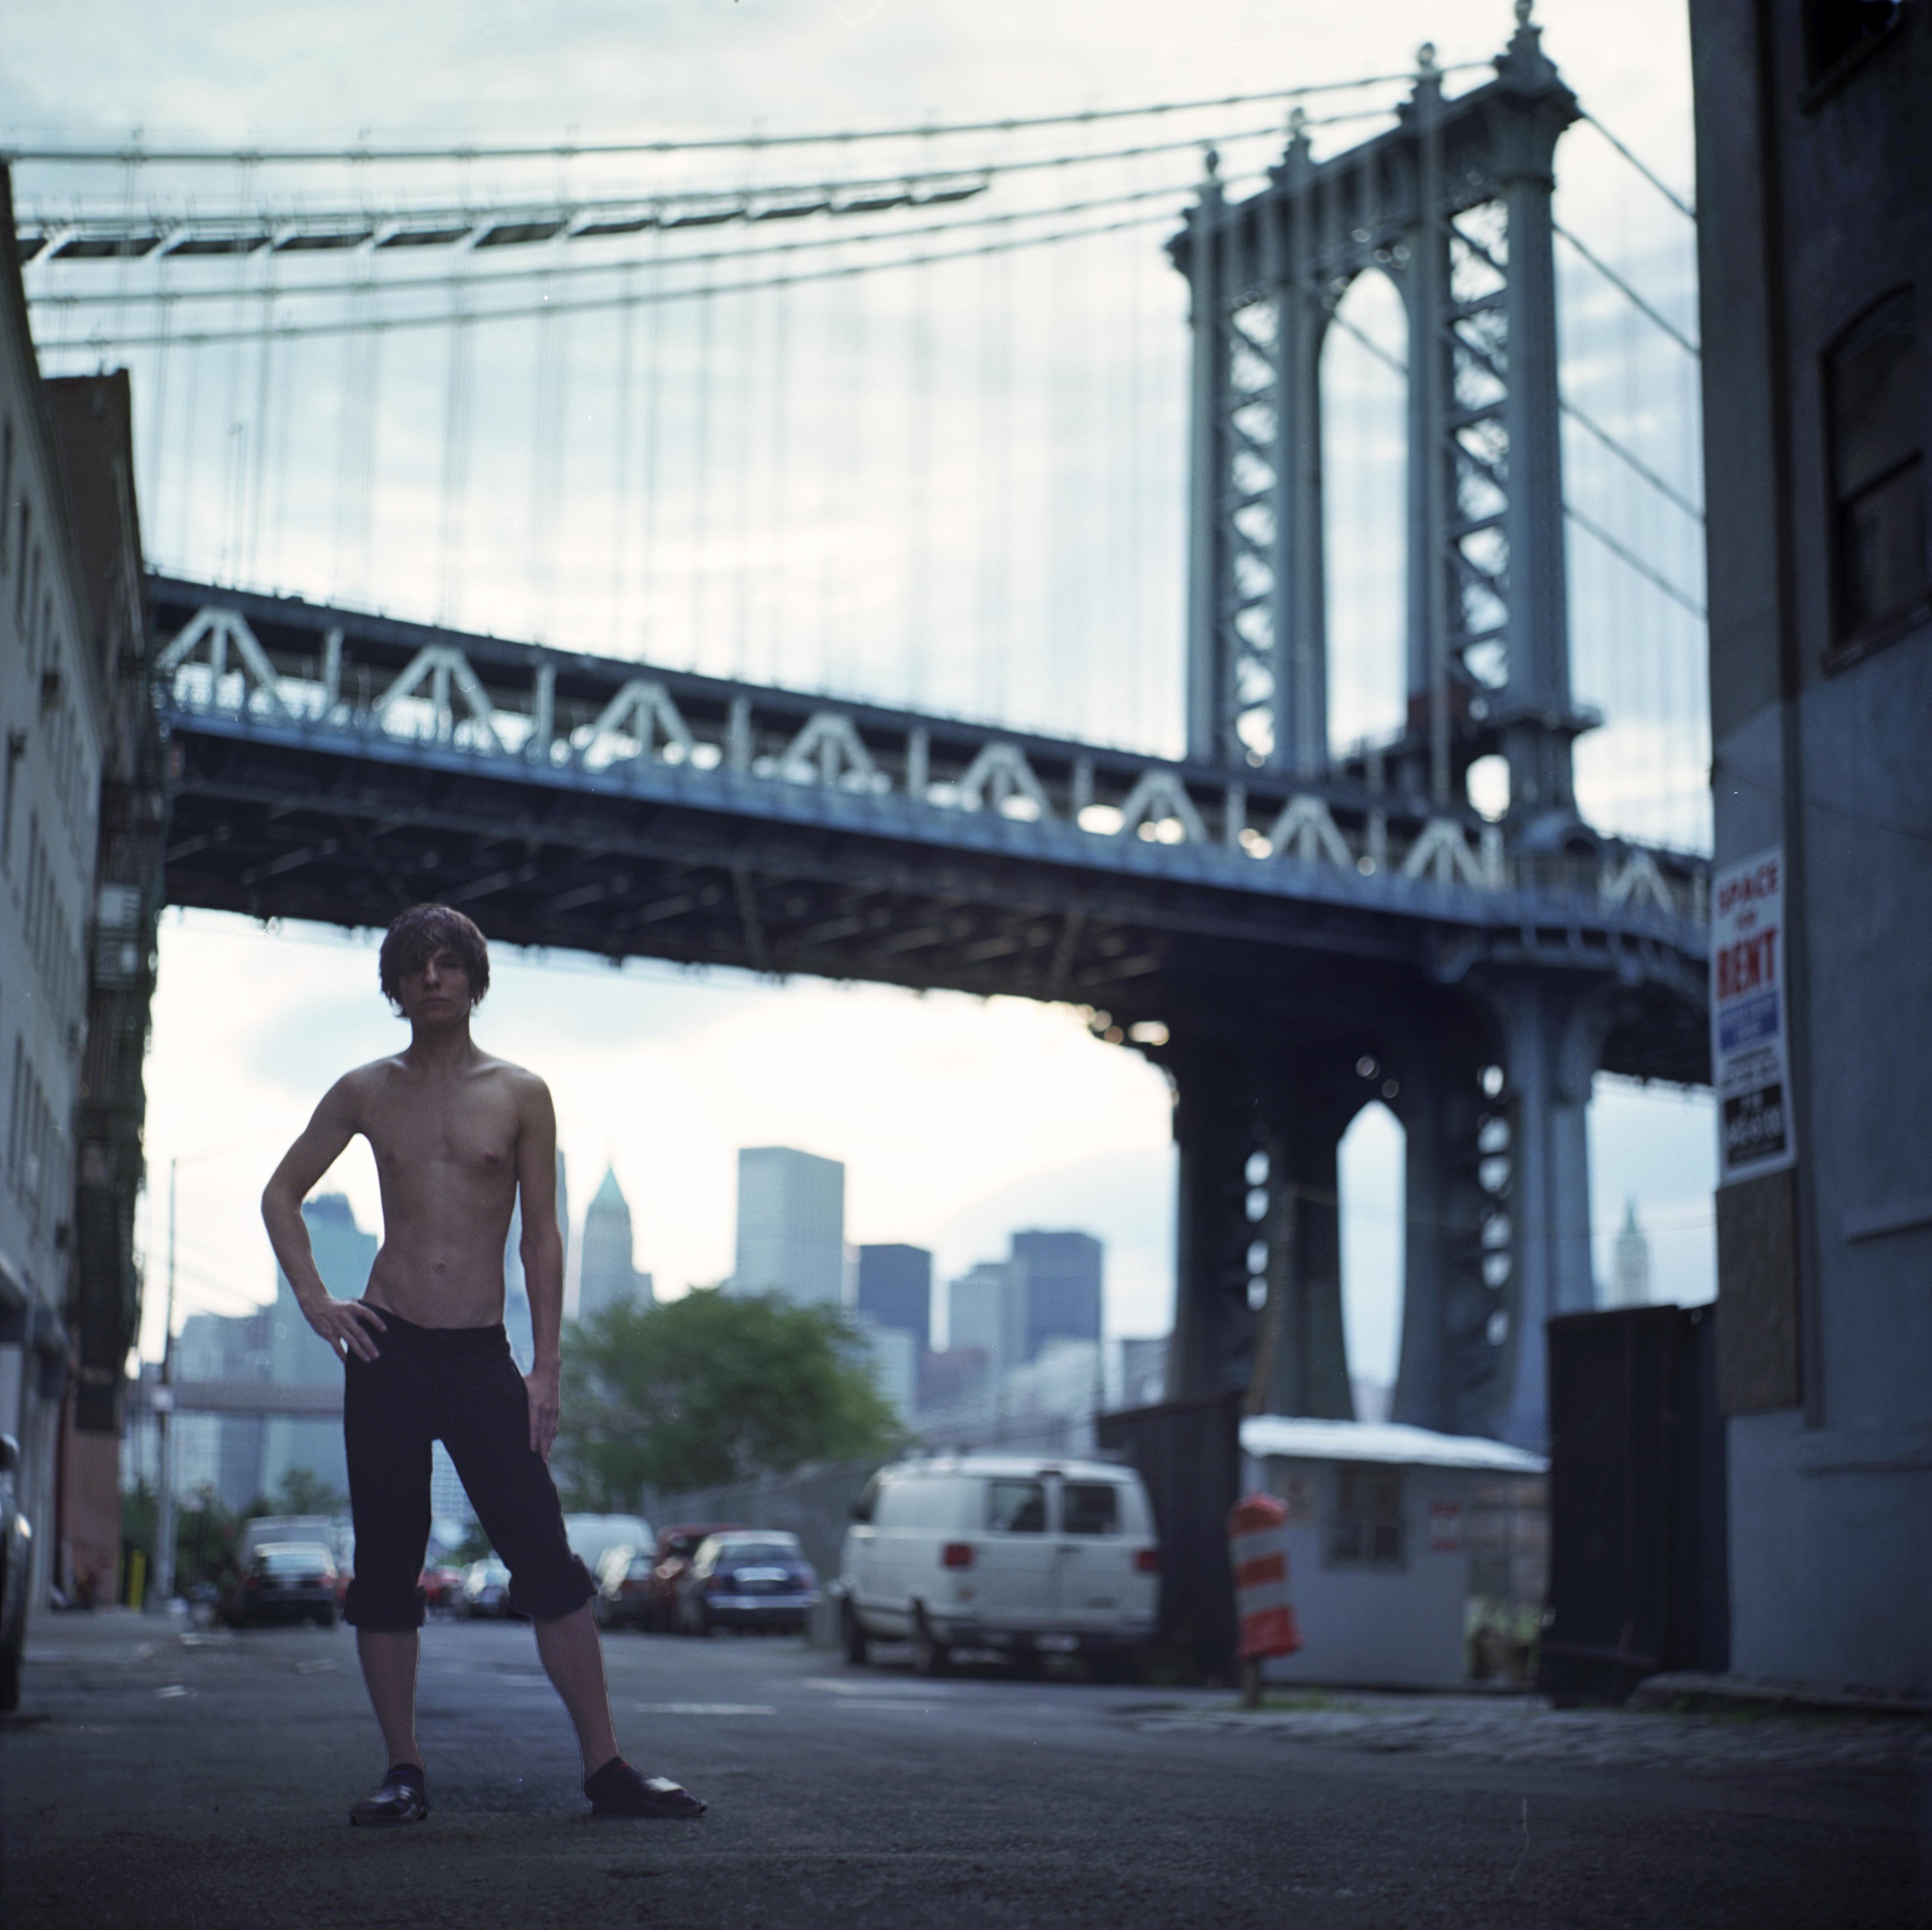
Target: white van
{"x":1029,"y":1556}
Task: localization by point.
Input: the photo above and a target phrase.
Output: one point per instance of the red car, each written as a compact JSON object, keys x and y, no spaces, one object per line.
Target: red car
{"x":648,"y":1599}
{"x":442,"y":1583}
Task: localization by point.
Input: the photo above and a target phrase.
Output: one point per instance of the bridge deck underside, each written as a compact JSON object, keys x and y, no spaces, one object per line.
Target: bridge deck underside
{"x":278,"y":829}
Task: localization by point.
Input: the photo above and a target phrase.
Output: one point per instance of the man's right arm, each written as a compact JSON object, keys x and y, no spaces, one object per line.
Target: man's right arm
{"x":347,"y":1324}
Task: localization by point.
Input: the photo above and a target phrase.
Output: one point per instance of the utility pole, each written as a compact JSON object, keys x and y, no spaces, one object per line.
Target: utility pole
{"x":164,"y":1523}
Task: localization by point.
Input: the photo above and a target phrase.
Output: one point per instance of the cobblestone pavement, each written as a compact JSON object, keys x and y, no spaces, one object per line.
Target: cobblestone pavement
{"x":1517,"y":1729}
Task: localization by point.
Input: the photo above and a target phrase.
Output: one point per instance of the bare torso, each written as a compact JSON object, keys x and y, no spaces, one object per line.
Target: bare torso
{"x":446,"y":1149}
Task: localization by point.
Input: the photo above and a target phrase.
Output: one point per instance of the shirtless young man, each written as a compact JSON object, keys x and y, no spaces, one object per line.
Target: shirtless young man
{"x":455,"y":1134}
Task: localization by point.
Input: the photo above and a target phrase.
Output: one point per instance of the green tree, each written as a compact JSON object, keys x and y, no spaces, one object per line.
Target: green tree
{"x":709,"y":1389}
{"x":303,"y":1491}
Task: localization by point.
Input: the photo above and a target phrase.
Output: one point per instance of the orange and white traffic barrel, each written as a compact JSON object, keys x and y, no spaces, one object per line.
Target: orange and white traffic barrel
{"x":1258,"y":1547}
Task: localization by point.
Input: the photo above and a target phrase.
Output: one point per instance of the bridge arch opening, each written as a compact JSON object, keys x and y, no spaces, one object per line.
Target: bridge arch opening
{"x":1365,"y":484}
{"x":1369,"y":1167}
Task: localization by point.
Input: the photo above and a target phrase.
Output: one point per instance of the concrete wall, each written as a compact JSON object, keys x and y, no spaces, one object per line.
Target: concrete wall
{"x":1816,"y":196}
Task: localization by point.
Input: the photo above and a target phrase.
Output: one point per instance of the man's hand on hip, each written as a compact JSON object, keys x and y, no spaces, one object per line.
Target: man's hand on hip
{"x":347,"y":1325}
{"x":546,"y":1406}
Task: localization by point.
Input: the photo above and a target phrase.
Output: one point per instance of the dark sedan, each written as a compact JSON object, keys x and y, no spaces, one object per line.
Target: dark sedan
{"x":286,"y":1581}
{"x":15,"y":1536}
{"x":755,"y":1578}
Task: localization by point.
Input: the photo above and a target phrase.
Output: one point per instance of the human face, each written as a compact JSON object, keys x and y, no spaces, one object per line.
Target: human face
{"x":437,"y":992}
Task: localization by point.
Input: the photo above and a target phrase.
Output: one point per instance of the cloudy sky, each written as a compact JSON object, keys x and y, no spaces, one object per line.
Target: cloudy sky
{"x":958,"y":485}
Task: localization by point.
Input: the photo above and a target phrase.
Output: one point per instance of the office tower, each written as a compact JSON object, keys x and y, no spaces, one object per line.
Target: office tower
{"x":791,"y":1225}
{"x":1629,"y":1281}
{"x":608,"y":1277}
{"x":986,"y":1313}
{"x":298,"y":1357}
{"x":954,"y":1386}
{"x":893,"y":1357}
{"x":1062,"y":1287}
{"x":894,"y":1290}
{"x":223,"y":1452}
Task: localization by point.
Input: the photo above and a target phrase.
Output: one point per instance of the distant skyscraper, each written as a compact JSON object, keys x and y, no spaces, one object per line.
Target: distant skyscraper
{"x":298,"y":1357}
{"x":791,"y":1225}
{"x":607,"y":1275}
{"x":1630,"y":1282}
{"x":221,"y":1451}
{"x":895,"y":1290}
{"x":1062,"y":1287}
{"x":986,"y":1311}
{"x":894,"y":1358}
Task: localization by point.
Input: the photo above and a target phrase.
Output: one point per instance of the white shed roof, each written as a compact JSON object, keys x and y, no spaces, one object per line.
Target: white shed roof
{"x":1280,"y":1436}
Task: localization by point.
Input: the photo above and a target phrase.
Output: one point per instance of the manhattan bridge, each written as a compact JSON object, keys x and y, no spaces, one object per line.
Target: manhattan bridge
{"x":1292,"y":922}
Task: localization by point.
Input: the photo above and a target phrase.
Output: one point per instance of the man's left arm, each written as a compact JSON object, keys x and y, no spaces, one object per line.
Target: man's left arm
{"x":541,"y":1249}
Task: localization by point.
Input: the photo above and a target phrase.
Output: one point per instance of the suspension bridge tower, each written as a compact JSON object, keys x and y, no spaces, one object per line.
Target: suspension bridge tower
{"x":1486,"y":1050}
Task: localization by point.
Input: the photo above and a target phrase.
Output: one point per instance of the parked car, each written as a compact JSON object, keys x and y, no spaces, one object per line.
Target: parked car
{"x":486,"y":1588}
{"x":592,"y":1537}
{"x":749,"y":1578}
{"x":442,"y":1583}
{"x":1026,"y":1556}
{"x":285,"y":1581}
{"x":623,"y":1577}
{"x":17,"y":1536}
{"x":671,"y":1563}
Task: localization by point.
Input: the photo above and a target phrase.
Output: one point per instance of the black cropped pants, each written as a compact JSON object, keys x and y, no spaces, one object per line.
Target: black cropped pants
{"x":459,"y":1385}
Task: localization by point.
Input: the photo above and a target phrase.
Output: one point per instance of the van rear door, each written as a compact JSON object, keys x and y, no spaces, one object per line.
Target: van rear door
{"x":1014,"y":1558}
{"x":1101,"y":1531}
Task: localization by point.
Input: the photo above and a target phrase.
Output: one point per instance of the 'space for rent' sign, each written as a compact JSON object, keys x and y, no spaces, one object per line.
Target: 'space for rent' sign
{"x":1750,"y":1037}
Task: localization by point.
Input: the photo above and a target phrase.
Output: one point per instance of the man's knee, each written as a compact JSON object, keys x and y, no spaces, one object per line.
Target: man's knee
{"x":550,"y":1595}
{"x":377,"y":1611}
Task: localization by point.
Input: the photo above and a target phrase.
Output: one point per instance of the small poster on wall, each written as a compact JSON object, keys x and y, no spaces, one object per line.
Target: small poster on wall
{"x":1750,"y":1053}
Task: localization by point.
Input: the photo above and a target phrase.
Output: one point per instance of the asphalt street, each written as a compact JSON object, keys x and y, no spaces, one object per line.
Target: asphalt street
{"x":160,"y":1776}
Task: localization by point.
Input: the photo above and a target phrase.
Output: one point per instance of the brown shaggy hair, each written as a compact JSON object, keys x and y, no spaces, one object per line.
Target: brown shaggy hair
{"x":420,"y":933}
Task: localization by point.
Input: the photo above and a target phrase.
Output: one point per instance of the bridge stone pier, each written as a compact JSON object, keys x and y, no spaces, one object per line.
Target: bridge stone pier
{"x":1290,"y":931}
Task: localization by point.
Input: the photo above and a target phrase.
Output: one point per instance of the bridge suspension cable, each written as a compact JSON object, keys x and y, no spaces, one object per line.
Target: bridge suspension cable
{"x":1656,"y":180}
{"x":1630,"y":294}
{"x":133,"y":152}
{"x":81,"y":238}
{"x":843,"y":270}
{"x":1620,"y":451}
{"x":573,"y":271}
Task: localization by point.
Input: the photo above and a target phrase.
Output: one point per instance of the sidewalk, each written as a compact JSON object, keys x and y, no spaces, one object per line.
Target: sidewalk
{"x":1526,"y":1728}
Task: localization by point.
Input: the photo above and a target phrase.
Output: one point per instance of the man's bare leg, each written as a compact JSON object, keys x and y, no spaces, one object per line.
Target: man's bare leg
{"x":389,"y":1670}
{"x":573,"y":1658}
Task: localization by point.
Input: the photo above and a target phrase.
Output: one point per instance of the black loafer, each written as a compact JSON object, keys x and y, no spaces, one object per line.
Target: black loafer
{"x":401,"y":1797}
{"x":617,"y":1790}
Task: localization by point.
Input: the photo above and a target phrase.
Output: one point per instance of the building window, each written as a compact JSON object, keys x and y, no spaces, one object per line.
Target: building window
{"x":1366,"y":1529}
{"x":1837,"y":30}
{"x":1875,"y":409}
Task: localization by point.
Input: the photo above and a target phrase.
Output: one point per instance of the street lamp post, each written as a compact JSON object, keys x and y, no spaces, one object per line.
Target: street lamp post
{"x":164,"y":1519}
{"x":164,"y":1400}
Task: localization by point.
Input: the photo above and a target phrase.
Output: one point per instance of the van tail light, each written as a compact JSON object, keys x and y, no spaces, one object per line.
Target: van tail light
{"x":1147,"y":1561}
{"x":956,"y":1555}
